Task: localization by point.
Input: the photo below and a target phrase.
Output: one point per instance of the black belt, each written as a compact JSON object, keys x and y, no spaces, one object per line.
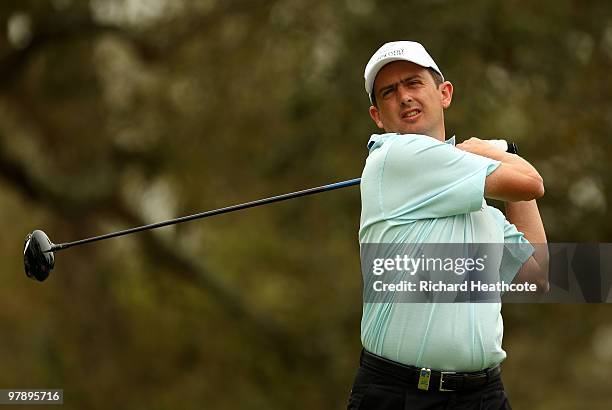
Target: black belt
{"x":427,"y":379}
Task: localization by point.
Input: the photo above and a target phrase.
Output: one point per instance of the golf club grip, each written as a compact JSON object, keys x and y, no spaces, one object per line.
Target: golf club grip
{"x":237,"y":207}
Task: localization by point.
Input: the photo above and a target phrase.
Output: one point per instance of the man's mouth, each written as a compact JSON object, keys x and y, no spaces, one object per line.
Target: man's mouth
{"x":410,"y":114}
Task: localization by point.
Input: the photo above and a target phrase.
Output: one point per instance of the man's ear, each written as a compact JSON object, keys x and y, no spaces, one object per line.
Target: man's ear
{"x":375,"y":115}
{"x":446,"y":89}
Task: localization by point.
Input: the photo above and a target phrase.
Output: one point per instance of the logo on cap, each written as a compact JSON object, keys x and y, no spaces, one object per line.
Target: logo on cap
{"x":393,"y":53}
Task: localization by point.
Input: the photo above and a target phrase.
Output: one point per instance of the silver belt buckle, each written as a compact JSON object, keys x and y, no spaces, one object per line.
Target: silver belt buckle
{"x":442,"y":374}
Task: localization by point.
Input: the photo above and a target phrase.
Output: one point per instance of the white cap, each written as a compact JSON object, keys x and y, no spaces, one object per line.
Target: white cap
{"x":397,"y":51}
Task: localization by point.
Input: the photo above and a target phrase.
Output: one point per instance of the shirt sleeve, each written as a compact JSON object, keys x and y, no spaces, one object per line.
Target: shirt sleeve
{"x":517,"y":248}
{"x":425,"y":178}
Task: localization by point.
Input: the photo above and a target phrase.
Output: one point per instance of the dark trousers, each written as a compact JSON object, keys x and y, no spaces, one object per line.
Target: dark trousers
{"x":375,"y":389}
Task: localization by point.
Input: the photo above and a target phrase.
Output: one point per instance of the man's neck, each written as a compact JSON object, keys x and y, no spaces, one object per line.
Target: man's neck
{"x":439,"y":135}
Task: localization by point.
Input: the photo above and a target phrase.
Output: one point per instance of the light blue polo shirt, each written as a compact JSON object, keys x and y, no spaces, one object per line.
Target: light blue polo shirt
{"x":416,"y":189}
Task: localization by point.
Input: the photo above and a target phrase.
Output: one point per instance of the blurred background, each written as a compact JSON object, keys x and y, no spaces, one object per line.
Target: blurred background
{"x":116,"y":113}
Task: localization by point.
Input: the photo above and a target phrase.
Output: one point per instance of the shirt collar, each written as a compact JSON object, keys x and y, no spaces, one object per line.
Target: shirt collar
{"x":376,"y":140}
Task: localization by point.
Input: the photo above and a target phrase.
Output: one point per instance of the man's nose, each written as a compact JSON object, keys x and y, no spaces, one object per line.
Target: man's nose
{"x":404,"y":95}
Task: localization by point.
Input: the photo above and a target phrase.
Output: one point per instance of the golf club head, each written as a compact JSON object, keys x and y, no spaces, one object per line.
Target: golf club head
{"x":38,"y":261}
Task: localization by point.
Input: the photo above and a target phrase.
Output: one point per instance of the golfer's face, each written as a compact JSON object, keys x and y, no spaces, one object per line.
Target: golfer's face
{"x":409,"y":102}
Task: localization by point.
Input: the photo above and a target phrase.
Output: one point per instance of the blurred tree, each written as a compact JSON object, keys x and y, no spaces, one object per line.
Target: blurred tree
{"x":115,"y":113}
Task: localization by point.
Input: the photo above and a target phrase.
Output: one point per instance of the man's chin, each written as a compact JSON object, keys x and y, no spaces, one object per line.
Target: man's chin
{"x":408,"y":130}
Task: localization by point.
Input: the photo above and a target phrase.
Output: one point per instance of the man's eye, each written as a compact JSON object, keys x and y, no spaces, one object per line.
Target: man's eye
{"x":387,"y":92}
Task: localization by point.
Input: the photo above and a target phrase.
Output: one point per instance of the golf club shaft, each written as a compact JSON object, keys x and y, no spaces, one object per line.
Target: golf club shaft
{"x":232,"y":208}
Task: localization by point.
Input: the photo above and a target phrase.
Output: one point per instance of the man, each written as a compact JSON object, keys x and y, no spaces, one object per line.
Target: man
{"x":418,"y":189}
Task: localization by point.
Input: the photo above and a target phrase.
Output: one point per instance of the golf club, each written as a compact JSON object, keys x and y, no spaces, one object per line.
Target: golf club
{"x":38,"y":252}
